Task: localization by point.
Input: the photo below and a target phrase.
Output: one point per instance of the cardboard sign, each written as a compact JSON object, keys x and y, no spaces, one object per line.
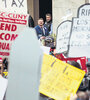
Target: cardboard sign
{"x":47,"y":64}
{"x":80,"y":35}
{"x":62,"y":80}
{"x":11,"y":25}
{"x":3,"y":86}
{"x":14,"y":6}
{"x":24,"y":67}
{"x":63,"y":34}
{"x":81,"y":60}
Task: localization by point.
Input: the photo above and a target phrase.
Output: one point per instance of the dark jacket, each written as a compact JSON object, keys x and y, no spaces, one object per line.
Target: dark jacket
{"x":48,"y":25}
{"x":40,"y":32}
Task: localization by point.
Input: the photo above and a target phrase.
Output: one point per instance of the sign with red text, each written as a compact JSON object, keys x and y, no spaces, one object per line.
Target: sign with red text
{"x":14,"y":6}
{"x":10,"y":26}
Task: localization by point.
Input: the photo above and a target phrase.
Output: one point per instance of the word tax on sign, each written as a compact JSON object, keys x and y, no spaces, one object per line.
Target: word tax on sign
{"x":11,"y":25}
{"x":62,"y":79}
{"x":80,"y":33}
{"x":14,"y":6}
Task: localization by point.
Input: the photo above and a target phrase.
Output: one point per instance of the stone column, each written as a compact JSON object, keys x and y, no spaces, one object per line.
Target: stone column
{"x":87,"y":1}
{"x":33,"y":9}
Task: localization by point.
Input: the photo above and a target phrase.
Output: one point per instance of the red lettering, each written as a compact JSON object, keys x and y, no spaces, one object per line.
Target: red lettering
{"x":1,"y":36}
{"x":2,"y":26}
{"x":25,"y":16}
{"x":8,"y":27}
{"x":4,"y":46}
{"x":14,"y":27}
{"x":13,"y":37}
{"x":7,"y":47}
{"x":4,"y":53}
{"x":10,"y":15}
{"x":2,"y":14}
{"x":7,"y":36}
{"x":20,"y":16}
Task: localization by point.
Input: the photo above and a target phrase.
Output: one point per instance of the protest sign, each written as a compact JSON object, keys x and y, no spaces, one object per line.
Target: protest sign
{"x":14,"y":6}
{"x":3,"y":86}
{"x":47,"y":64}
{"x":81,"y":60}
{"x":80,"y":35}
{"x":62,"y":80}
{"x":24,"y":67}
{"x":10,"y":26}
{"x":63,"y":34}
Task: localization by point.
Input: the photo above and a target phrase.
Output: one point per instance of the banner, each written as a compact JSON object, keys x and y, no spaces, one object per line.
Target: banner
{"x":62,"y":80}
{"x":14,"y":6}
{"x":10,"y":26}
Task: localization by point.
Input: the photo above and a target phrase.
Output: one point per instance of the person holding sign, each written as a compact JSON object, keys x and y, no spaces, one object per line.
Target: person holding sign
{"x":41,"y":30}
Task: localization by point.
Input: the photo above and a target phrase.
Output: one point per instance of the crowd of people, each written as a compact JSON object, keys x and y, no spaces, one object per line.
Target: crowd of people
{"x":44,"y":32}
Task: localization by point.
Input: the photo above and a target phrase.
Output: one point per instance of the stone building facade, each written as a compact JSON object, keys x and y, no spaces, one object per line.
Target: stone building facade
{"x":61,"y":10}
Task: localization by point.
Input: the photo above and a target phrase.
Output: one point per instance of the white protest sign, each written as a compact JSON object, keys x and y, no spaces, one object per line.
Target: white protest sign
{"x":63,"y":34}
{"x":80,"y":35}
{"x":14,"y":6}
{"x":10,"y":26}
{"x":24,"y":67}
{"x":3,"y":86}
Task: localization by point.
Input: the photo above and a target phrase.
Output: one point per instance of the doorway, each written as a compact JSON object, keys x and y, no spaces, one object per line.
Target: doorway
{"x":45,"y":6}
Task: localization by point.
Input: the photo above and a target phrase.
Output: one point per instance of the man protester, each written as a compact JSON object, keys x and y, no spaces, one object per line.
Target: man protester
{"x":48,"y":23}
{"x":41,"y":30}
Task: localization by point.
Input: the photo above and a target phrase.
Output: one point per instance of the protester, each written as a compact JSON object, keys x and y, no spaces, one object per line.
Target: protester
{"x":41,"y":30}
{"x":48,"y":23}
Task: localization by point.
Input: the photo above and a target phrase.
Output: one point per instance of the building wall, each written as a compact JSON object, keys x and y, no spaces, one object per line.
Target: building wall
{"x":64,"y":10}
{"x":33,"y":9}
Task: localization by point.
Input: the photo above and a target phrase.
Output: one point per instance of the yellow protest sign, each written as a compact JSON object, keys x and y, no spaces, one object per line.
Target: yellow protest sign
{"x":47,"y":64}
{"x":62,"y":80}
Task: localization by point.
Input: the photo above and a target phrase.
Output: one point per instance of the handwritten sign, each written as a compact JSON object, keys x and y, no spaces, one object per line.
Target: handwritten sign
{"x":81,"y":60}
{"x":80,"y":35}
{"x":63,"y":34}
{"x":47,"y":64}
{"x":10,"y":26}
{"x":62,"y":80}
{"x":14,"y":6}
